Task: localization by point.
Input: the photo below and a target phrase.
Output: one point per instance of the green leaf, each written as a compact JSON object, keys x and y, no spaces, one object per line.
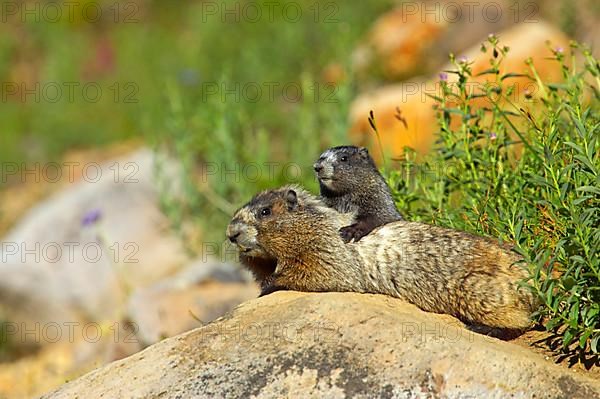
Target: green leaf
{"x":574,"y":315}
{"x":589,"y":189}
{"x":568,"y":337}
{"x":436,"y":98}
{"x":578,"y":201}
{"x":594,"y":343}
{"x":551,"y":324}
{"x":576,"y":147}
{"x":585,"y":161}
{"x":593,"y":311}
{"x":557,"y":86}
{"x":490,"y":71}
{"x":584,"y":338}
{"x":569,"y":283}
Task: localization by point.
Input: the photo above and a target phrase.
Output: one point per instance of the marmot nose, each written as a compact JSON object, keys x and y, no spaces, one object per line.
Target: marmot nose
{"x":233,"y":236}
{"x":318,"y":167}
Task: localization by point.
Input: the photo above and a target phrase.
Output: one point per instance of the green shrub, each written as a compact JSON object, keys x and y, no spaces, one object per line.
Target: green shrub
{"x":525,"y":170}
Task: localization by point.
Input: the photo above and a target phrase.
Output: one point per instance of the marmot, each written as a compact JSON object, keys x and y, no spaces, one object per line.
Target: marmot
{"x":350,"y":182}
{"x":440,"y":270}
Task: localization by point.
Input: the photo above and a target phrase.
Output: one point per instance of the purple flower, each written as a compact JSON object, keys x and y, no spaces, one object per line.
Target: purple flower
{"x":463,"y":59}
{"x":91,"y":217}
{"x":443,"y":76}
{"x":559,"y":50}
{"x":493,"y":136}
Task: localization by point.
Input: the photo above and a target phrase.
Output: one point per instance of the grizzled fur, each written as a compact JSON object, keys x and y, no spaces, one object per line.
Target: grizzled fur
{"x":245,"y":229}
{"x":350,"y":182}
{"x":439,"y":270}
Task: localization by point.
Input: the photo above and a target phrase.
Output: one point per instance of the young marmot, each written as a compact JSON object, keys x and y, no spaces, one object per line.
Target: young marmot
{"x":439,"y":270}
{"x":350,"y":182}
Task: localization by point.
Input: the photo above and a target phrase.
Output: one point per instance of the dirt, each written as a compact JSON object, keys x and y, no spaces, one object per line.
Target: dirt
{"x":548,"y":345}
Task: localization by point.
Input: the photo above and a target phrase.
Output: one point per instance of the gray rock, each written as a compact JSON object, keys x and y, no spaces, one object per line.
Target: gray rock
{"x":74,"y":256}
{"x":332,"y":345}
{"x":198,"y":294}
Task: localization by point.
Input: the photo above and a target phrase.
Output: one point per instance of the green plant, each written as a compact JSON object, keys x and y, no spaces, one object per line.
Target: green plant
{"x":5,"y":344}
{"x":523,"y":167}
{"x":233,"y":145}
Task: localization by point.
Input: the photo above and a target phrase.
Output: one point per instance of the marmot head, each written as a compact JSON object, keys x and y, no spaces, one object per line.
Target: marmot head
{"x":244,"y":226}
{"x":340,"y":170}
{"x":281,"y":221}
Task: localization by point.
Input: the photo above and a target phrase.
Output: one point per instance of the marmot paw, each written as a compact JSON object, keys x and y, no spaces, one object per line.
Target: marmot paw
{"x":352,"y":233}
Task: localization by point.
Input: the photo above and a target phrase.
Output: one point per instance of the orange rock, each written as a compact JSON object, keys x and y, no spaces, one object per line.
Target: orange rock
{"x":397,"y":44}
{"x":414,"y":106}
{"x":410,"y":97}
{"x":541,"y":38}
{"x":414,"y":38}
{"x":333,"y":73}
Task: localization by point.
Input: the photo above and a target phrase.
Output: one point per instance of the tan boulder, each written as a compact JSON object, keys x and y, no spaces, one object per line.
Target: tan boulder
{"x":331,"y":345}
{"x":198,"y":294}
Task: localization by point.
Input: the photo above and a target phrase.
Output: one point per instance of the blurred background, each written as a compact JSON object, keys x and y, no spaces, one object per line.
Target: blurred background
{"x":131,"y":130}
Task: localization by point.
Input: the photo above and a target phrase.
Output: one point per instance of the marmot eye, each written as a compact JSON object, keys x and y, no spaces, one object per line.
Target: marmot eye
{"x":344,"y":158}
{"x":265,"y":211}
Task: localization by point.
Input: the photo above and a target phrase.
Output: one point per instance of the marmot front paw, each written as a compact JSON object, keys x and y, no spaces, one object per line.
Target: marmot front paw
{"x":353,"y":232}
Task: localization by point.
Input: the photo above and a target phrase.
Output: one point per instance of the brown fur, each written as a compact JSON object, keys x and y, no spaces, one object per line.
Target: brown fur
{"x":440,"y":270}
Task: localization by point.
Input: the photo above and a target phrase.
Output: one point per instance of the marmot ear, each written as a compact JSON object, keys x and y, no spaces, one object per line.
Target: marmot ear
{"x":292,"y":199}
{"x":364,"y":152}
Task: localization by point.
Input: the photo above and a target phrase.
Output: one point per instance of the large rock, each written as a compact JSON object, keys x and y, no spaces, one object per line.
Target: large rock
{"x":332,"y":345}
{"x":542,"y":39}
{"x":417,"y":108}
{"x":198,"y":294}
{"x":411,"y":100}
{"x":415,"y":38}
{"x":73,"y":258}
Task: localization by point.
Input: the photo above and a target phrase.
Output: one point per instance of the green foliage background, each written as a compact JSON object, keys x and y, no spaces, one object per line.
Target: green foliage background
{"x":527,"y":172}
{"x":545,"y":201}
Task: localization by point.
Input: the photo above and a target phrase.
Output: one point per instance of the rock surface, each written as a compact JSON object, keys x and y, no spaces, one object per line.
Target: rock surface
{"x":73,"y":257}
{"x":332,"y":345}
{"x":198,"y":294}
{"x":65,"y":310}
